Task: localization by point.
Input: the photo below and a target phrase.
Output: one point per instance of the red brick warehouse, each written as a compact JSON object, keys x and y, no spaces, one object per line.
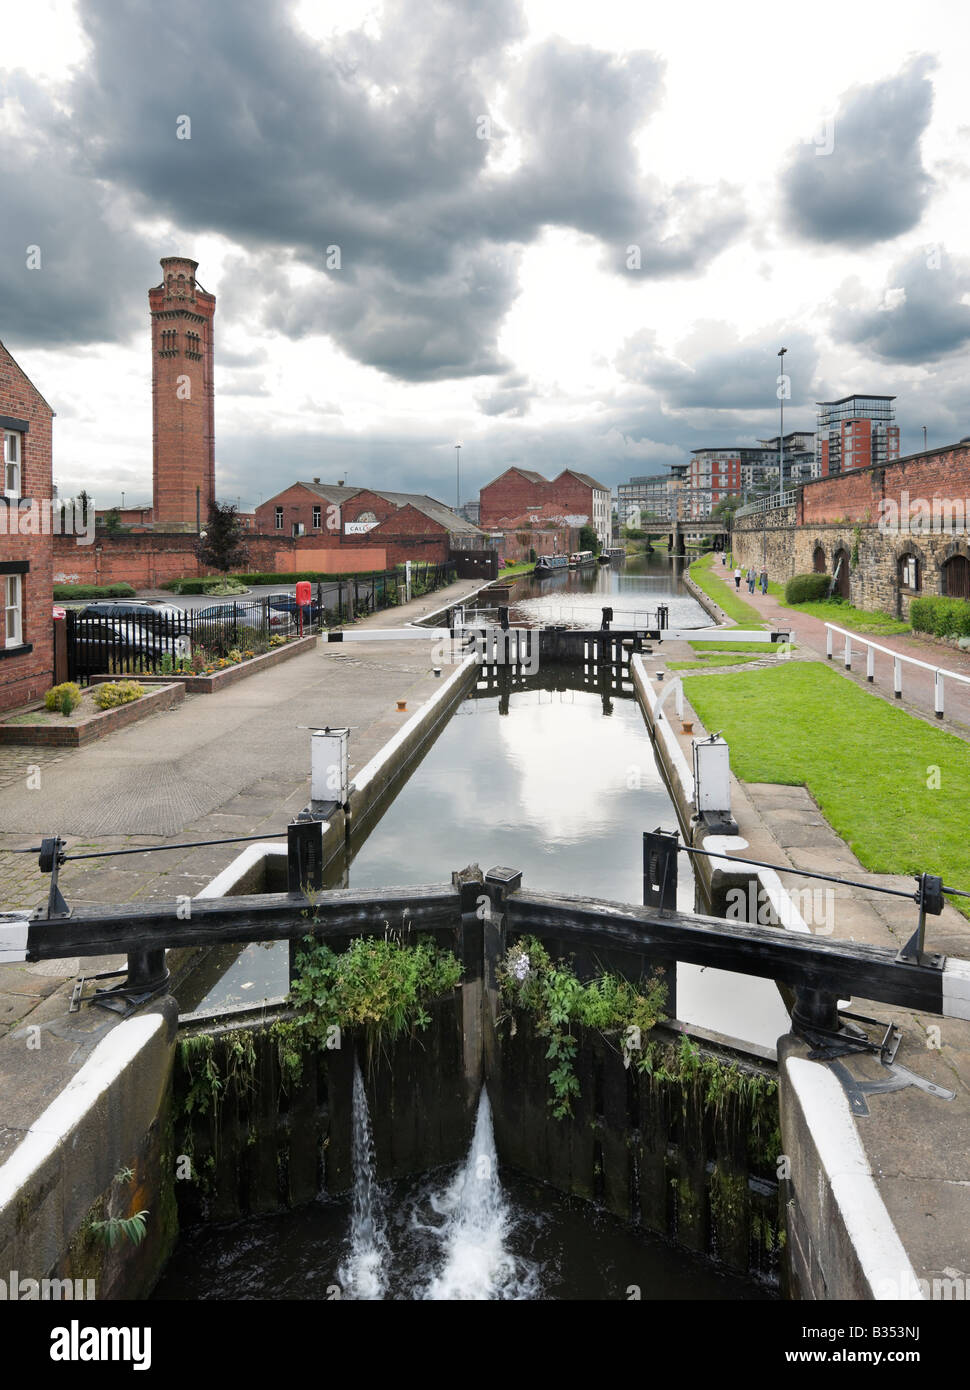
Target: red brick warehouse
{"x":26,"y":560}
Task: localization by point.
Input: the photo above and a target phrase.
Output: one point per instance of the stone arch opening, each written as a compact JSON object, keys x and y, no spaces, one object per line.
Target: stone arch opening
{"x":840,"y":571}
{"x":818,"y":559}
{"x":956,"y":577}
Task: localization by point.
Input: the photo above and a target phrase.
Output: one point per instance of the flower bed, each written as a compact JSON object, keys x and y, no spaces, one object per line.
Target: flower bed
{"x":45,"y":728}
{"x":224,"y":672}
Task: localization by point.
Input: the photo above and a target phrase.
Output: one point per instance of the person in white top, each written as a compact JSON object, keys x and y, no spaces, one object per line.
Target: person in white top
{"x":737,"y":578}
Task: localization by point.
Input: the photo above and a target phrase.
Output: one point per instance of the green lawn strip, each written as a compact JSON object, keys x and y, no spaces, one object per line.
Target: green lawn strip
{"x":722,"y":593}
{"x":844,"y":614}
{"x":870,"y":767}
{"x":526,"y":567}
{"x":715,"y":659}
{"x":701,"y":646}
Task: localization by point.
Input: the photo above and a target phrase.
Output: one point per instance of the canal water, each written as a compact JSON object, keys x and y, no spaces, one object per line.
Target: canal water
{"x":632,"y":588}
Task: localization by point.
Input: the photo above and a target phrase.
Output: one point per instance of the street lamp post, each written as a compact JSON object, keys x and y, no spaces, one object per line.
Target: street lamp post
{"x":781,"y":427}
{"x":458,"y":476}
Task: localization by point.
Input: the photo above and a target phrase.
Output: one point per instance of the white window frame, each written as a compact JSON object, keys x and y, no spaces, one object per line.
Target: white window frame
{"x":279,"y":518}
{"x":13,"y":610}
{"x":13,"y":493}
{"x":317,"y":515}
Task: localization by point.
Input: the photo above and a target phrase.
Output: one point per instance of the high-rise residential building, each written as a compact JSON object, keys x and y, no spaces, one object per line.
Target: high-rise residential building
{"x":715,"y":474}
{"x":855,"y":432}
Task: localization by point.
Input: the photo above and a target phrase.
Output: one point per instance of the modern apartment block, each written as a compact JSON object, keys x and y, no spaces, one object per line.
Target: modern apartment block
{"x":801,"y":464}
{"x":715,"y":474}
{"x":651,"y":496}
{"x":855,"y":432}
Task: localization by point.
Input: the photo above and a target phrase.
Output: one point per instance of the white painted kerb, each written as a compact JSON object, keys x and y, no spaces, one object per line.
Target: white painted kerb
{"x":875,"y":1240}
{"x":64,"y":1115}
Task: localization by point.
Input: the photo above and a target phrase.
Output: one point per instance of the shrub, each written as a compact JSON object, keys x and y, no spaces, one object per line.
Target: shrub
{"x":807,"y":588}
{"x":115,"y":693}
{"x":65,"y":697}
{"x":944,"y":617}
{"x":93,"y":591}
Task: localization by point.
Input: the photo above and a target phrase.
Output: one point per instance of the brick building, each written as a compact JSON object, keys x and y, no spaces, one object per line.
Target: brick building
{"x":26,"y":543}
{"x":183,"y":397}
{"x":575,"y":497}
{"x":331,"y":516}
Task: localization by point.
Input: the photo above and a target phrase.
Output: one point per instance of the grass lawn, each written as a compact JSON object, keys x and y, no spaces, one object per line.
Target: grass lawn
{"x":724,"y":594}
{"x":702,"y":646}
{"x":526,"y":567}
{"x":845,"y":615}
{"x":870,"y":767}
{"x":714,"y":659}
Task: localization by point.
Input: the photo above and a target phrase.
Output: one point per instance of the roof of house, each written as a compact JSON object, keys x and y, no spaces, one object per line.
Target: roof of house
{"x":430,"y":506}
{"x":585,"y":478}
{"x":27,"y":378}
{"x":528,"y":473}
{"x":433,"y":509}
{"x":333,"y":492}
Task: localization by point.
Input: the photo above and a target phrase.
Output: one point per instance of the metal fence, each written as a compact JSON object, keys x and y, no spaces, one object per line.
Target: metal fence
{"x":104,"y":640}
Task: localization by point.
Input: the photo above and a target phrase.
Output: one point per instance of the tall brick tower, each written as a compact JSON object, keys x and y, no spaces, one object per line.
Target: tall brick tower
{"x":183,"y":414}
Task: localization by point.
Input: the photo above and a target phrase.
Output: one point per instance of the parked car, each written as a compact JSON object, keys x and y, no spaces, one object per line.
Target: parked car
{"x":245,"y":614}
{"x":103,"y":644}
{"x":150,"y":615}
{"x":286,"y":603}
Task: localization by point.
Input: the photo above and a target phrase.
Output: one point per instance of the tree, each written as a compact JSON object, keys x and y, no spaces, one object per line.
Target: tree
{"x":222,"y":545}
{"x":588,"y":539}
{"x":725,"y":509}
{"x":112,"y":521}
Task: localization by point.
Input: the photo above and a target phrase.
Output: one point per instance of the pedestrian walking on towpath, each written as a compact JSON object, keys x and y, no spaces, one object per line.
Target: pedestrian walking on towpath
{"x":737,"y":578}
{"x":764,"y":579}
{"x":751,"y":577}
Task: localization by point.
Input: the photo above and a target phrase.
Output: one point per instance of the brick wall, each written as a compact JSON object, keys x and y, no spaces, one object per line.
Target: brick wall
{"x":512,"y":494}
{"x":875,"y":578}
{"x":25,"y":675}
{"x":857,"y":494}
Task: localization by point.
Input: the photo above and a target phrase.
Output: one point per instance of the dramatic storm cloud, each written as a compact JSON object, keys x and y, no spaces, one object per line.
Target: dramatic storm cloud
{"x":367,"y":162}
{"x":737,"y":376}
{"x":862,"y":179}
{"x":924,"y":312}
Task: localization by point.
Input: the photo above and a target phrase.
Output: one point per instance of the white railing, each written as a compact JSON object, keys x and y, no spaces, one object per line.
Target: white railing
{"x":767,"y":504}
{"x":939,"y":672}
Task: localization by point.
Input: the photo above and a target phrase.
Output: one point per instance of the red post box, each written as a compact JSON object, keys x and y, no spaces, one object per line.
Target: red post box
{"x":303,"y":592}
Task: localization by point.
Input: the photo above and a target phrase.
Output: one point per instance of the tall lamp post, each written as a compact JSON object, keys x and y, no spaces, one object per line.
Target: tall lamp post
{"x":458,"y":476}
{"x":781,"y":426}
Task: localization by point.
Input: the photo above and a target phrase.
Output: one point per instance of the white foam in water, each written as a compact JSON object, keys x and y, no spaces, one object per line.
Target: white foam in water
{"x":363,"y":1274}
{"x":477,"y":1264}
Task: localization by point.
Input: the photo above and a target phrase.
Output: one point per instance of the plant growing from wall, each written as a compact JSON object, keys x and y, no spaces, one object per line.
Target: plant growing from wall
{"x":115,"y":1228}
{"x":856,"y":539}
{"x":550,"y":990}
{"x":379,"y":985}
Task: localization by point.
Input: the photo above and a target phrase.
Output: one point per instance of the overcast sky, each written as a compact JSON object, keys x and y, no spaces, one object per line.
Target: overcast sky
{"x":570,"y":234}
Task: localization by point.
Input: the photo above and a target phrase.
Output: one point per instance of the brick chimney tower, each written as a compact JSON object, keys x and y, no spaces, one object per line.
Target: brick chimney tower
{"x":183,"y":403}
